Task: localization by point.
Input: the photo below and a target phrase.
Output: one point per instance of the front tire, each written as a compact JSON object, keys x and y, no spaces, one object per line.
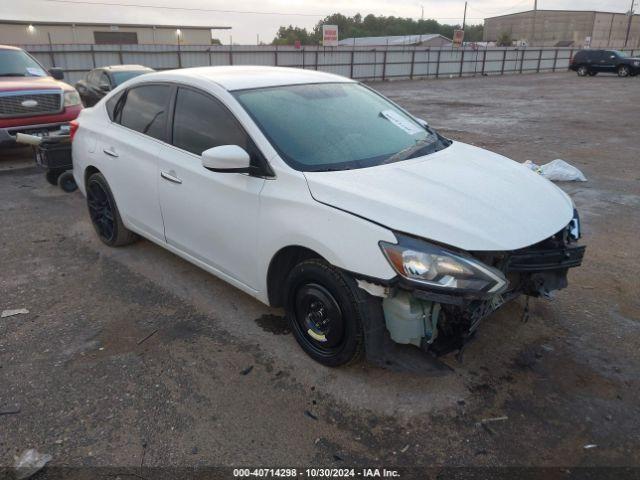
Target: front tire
{"x":324,"y":313}
{"x":582,"y":71}
{"x":105,"y":215}
{"x":623,"y":71}
{"x":593,"y":74}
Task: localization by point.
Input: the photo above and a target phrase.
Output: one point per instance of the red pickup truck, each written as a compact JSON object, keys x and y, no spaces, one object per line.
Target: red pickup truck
{"x":32,"y":99}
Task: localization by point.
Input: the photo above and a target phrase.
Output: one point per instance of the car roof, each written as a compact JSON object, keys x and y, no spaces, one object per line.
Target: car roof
{"x":9,"y":47}
{"x":115,"y":68}
{"x":243,"y":77}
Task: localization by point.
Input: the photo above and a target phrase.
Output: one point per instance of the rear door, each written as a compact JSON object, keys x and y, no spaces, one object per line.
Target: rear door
{"x":212,"y":217}
{"x":608,"y":61}
{"x":129,"y":151}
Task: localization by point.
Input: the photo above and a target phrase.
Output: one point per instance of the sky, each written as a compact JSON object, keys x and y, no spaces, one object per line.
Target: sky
{"x":261,"y":18}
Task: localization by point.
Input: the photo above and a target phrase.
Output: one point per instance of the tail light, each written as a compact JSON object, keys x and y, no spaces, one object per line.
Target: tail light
{"x":73,"y":128}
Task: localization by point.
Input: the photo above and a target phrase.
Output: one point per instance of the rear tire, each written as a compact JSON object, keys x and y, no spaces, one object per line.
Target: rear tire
{"x":623,"y":71}
{"x":582,"y":71}
{"x":593,"y":74}
{"x":325,"y":313}
{"x":104,"y":213}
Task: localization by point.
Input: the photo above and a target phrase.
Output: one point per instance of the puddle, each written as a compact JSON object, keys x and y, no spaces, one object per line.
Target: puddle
{"x":273,"y":324}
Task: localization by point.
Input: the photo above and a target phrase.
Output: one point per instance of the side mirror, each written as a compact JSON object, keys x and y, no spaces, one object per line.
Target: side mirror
{"x":56,"y":73}
{"x":226,"y":159}
{"x":105,"y":87}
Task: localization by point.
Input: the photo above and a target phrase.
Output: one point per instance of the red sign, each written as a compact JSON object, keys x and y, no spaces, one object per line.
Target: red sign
{"x":330,"y":35}
{"x":297,"y":44}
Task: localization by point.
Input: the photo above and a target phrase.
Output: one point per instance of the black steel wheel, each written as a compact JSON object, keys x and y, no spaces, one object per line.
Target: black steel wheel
{"x":324,"y":313}
{"x":624,"y":70}
{"x":104,"y":213}
{"x":66,"y":182}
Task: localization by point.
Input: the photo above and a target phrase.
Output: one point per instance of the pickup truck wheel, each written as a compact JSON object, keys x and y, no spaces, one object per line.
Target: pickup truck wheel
{"x":623,"y":71}
{"x":104,"y":213}
{"x":52,"y":176}
{"x":324,"y":313}
{"x":582,"y":71}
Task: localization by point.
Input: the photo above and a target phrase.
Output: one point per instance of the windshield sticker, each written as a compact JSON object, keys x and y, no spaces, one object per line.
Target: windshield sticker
{"x":401,"y":122}
{"x":36,"y":72}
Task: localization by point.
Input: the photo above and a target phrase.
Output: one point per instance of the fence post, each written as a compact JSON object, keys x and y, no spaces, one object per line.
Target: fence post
{"x":570,"y":57}
{"x":484,"y":59}
{"x":316,"y":59}
{"x":438,"y":63}
{"x":210,"y":57}
{"x":504,"y":58}
{"x":179,"y":55}
{"x":230,"y":54}
{"x":413,"y":62}
{"x":303,"y":58}
{"x":93,"y":57}
{"x":351,"y":74}
{"x":461,"y":62}
{"x":539,"y":60}
{"x":275,"y":56}
{"x":120,"y":55}
{"x":384,"y":65}
{"x":522,"y":59}
{"x":555,"y":60}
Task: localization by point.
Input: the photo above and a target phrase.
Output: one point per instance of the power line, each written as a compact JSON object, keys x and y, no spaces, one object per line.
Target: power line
{"x":188,"y":9}
{"x":193,"y":9}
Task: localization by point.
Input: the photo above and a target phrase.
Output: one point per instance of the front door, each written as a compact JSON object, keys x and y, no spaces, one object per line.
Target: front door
{"x":212,"y":217}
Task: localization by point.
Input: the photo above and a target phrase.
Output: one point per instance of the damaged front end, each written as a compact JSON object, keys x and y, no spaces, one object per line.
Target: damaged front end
{"x":441,"y":296}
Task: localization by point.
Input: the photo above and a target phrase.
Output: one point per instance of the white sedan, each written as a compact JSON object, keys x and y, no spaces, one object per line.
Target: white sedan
{"x":313,"y":192}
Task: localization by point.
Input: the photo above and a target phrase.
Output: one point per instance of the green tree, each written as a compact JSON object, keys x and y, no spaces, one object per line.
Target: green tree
{"x":504,"y":40}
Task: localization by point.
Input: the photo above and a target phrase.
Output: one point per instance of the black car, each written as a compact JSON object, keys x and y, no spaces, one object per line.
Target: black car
{"x":101,"y":81}
{"x":592,"y":62}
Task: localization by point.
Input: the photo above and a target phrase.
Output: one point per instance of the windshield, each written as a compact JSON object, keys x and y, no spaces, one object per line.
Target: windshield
{"x":120,"y":77}
{"x":336,"y":126}
{"x":16,"y":63}
{"x":621,"y":54}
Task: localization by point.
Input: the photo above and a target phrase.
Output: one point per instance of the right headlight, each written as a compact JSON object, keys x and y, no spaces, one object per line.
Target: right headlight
{"x":428,"y":264}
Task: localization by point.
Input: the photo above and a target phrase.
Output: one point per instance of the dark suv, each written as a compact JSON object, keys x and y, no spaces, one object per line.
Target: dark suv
{"x":592,"y":62}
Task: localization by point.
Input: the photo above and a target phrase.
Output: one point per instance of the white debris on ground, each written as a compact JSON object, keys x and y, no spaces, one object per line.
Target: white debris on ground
{"x":30,"y":462}
{"x":11,"y":313}
{"x":557,"y":171}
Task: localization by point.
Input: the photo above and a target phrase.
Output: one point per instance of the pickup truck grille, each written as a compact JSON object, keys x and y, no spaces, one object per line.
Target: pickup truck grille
{"x":21,"y":104}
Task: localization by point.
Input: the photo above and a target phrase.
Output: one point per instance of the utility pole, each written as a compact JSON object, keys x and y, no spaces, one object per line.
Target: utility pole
{"x":422,"y":15}
{"x":626,"y":38}
{"x":533,"y":29}
{"x":464,"y":18}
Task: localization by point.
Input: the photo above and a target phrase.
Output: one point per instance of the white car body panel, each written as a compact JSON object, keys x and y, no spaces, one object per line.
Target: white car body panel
{"x":233,"y":224}
{"x":461,"y":196}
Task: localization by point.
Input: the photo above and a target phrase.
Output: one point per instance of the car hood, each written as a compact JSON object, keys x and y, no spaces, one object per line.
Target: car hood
{"x":461,"y":196}
{"x":9,"y":84}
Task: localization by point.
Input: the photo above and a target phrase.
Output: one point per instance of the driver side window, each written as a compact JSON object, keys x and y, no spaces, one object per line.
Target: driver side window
{"x":200,"y":123}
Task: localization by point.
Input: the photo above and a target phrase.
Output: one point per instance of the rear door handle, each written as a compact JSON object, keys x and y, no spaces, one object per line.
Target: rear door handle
{"x":170,"y":177}
{"x":111,"y":153}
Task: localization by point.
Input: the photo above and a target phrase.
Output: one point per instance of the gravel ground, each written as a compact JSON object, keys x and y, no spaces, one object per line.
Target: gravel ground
{"x":133,"y":357}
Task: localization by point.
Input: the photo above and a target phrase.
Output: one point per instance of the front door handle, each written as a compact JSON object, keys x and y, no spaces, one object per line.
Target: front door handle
{"x":111,"y":153}
{"x":170,"y":177}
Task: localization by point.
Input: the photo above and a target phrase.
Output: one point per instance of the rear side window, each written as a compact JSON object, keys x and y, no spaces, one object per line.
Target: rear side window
{"x":113,"y":107}
{"x":200,"y":123}
{"x":145,"y":110}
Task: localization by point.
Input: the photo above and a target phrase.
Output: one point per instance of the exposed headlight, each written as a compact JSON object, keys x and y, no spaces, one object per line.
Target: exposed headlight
{"x":71,"y":97}
{"x":428,"y":264}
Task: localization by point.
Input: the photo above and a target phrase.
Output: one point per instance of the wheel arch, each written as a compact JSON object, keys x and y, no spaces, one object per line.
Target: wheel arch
{"x":279,"y":267}
{"x":88,"y":171}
